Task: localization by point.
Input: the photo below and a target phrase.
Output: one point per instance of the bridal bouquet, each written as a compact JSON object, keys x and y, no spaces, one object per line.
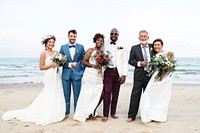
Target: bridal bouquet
{"x":103,"y":59}
{"x":164,"y":64}
{"x":59,"y":59}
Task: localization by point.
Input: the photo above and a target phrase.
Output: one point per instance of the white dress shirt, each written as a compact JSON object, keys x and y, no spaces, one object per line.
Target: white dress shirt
{"x":148,"y":54}
{"x":112,"y":49}
{"x":72,"y":52}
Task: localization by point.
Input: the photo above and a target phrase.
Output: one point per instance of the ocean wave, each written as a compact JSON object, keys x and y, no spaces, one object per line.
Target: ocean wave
{"x":17,"y":70}
{"x":12,"y":76}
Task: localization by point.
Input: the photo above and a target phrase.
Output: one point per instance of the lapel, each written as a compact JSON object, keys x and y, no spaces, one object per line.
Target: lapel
{"x":150,"y":50}
{"x":68,"y":52}
{"x":119,"y":47}
{"x":116,"y":46}
{"x":76,"y":51}
{"x":140,"y":51}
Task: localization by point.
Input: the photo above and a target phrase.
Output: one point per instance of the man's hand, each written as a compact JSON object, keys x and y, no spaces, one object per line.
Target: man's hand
{"x":74,"y":64}
{"x":122,"y":79}
{"x":143,"y":63}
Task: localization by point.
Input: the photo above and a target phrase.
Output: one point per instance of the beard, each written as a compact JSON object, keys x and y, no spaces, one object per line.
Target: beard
{"x":143,"y":42}
{"x":72,"y":41}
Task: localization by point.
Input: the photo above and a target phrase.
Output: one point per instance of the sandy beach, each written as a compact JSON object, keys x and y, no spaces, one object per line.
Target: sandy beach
{"x":183,"y":115}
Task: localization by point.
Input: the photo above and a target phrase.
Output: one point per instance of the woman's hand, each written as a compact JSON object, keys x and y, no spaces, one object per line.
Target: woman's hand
{"x":170,"y":54}
{"x":55,"y":65}
{"x":102,"y":75}
{"x":164,"y":73}
{"x":98,"y":66}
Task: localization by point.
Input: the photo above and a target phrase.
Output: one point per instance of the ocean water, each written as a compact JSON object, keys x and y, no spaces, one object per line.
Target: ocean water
{"x":20,"y":70}
{"x":26,"y":70}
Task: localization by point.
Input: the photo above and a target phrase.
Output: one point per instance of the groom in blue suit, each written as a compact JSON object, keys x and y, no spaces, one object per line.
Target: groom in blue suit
{"x":72,"y":69}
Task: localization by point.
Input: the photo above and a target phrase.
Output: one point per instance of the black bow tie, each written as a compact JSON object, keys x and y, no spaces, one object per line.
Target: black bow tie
{"x":113,"y":43}
{"x":72,"y":46}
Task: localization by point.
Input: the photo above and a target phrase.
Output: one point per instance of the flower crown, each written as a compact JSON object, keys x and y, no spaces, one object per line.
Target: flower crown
{"x":46,"y":38}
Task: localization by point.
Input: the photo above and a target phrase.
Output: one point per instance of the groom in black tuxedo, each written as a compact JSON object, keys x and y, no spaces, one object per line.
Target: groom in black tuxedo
{"x":140,"y":55}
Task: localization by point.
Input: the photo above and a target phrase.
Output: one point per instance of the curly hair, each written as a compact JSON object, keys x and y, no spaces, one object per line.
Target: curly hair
{"x":97,"y":36}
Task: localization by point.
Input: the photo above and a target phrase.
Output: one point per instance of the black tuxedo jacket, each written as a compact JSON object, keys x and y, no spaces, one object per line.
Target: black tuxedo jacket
{"x":135,"y":56}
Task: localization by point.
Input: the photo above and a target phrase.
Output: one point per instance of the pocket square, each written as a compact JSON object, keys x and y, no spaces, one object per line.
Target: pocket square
{"x":120,"y":47}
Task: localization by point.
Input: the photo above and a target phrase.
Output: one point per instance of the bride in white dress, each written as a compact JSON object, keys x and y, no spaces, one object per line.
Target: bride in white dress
{"x":156,"y":97}
{"x":91,"y":90}
{"x":49,"y":106}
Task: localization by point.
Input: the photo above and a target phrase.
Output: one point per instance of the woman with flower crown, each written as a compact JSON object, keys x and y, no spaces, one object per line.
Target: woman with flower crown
{"x":49,"y":106}
{"x":91,"y":90}
{"x":156,"y":97}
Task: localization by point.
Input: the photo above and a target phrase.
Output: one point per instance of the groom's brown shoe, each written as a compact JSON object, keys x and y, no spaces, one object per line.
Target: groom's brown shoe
{"x":130,"y":119}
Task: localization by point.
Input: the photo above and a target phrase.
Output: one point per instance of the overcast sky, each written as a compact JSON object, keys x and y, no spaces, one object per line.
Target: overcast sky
{"x":23,"y":23}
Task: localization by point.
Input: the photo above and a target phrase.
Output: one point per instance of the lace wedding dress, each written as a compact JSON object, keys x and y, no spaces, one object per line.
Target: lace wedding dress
{"x":90,"y":92}
{"x":155,"y":99}
{"x":48,"y":107}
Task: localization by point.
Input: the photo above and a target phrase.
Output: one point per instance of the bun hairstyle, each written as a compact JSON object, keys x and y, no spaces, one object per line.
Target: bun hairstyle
{"x":46,"y":38}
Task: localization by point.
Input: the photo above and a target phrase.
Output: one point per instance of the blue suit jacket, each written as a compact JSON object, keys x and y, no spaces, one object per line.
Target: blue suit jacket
{"x":78,"y":57}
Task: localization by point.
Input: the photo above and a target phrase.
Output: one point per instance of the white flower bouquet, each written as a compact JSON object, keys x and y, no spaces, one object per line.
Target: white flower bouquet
{"x":59,"y":59}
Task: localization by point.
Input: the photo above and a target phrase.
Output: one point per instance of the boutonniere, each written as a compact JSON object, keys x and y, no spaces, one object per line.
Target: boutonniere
{"x":76,"y":52}
{"x":150,"y":50}
{"x":120,"y":47}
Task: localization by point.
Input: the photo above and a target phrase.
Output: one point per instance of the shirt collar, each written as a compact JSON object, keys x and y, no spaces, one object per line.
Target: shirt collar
{"x":147,"y":46}
{"x":72,"y":44}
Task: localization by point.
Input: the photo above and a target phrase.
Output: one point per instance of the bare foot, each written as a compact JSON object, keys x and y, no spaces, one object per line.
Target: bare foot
{"x":104,"y":119}
{"x":130,"y":119}
{"x":98,"y":116}
{"x":114,"y":116}
{"x":66,"y":116}
{"x":92,"y":118}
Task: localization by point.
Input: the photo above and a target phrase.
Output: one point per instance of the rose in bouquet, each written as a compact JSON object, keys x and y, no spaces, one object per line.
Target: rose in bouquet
{"x":59,"y":59}
{"x":163,"y":64}
{"x":104,"y":59}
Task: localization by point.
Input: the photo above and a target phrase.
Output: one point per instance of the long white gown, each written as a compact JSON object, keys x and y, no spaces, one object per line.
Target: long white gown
{"x":90,"y":92}
{"x":155,"y":99}
{"x":48,"y":107}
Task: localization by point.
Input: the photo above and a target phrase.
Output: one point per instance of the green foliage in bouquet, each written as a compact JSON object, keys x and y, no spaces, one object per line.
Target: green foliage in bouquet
{"x":164,"y":64}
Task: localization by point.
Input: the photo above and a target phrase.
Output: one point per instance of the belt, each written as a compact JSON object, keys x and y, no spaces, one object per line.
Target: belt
{"x":113,"y":68}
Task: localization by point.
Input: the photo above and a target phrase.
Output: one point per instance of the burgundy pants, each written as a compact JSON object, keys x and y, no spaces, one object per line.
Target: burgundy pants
{"x":111,"y":91}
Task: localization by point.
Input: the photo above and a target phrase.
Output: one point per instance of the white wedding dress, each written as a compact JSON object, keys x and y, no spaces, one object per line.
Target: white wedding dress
{"x":155,"y":99}
{"x":48,"y":107}
{"x":90,"y":92}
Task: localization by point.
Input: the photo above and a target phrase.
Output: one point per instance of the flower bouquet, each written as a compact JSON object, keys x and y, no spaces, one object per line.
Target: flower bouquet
{"x":59,"y":59}
{"x":163,"y":64}
{"x":103,"y":59}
